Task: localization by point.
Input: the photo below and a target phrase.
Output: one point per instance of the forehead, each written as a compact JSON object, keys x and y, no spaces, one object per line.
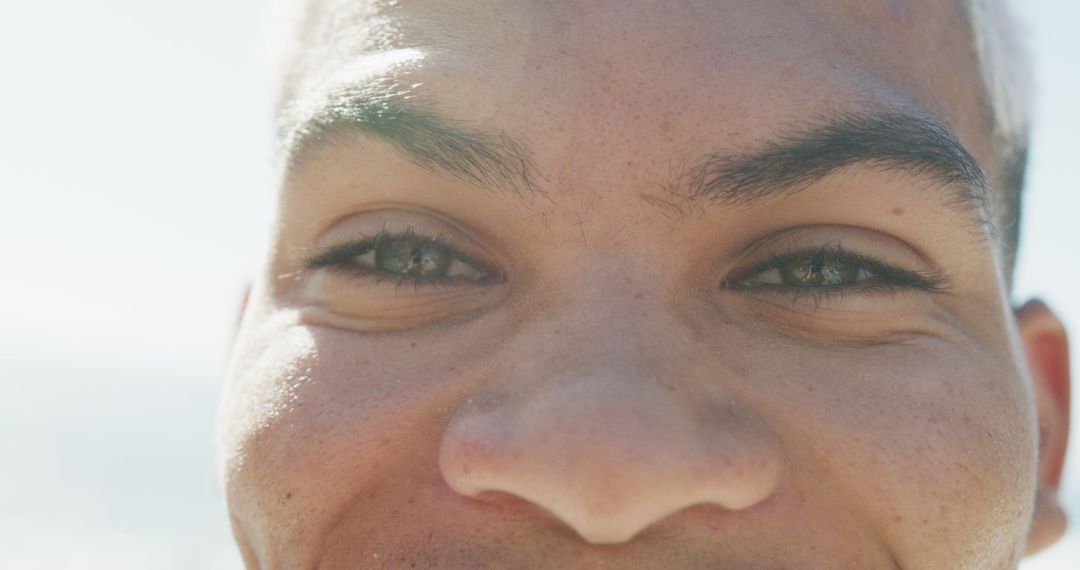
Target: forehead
{"x":641,"y":78}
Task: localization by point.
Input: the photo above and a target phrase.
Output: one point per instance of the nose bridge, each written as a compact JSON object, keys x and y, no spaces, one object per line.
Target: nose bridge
{"x":598,"y":424}
{"x":606,"y":334}
{"x":615,"y":310}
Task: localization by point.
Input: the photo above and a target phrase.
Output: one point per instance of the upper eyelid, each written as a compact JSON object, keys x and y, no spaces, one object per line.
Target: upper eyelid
{"x":837,"y":236}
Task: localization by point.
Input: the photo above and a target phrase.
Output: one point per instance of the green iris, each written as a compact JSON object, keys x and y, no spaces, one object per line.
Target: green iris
{"x":414,"y":258}
{"x":818,"y":271}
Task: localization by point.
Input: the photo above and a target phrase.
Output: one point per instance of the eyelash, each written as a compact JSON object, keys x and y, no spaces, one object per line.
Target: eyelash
{"x":341,"y":258}
{"x":886,"y":278}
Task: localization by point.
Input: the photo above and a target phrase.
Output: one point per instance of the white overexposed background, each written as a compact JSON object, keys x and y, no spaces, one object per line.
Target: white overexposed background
{"x":135,"y":191}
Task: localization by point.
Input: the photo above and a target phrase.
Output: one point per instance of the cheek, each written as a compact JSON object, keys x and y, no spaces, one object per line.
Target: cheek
{"x":932,"y":442}
{"x":264,"y":397}
{"x":316,"y":419}
{"x":264,"y":386}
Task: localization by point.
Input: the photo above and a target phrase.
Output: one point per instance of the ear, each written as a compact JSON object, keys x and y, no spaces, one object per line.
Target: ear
{"x":1047,"y":349}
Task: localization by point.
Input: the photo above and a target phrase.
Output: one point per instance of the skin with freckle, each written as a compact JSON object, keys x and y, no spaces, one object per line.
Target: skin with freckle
{"x":581,"y":363}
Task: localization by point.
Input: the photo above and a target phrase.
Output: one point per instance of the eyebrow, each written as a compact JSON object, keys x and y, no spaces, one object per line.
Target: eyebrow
{"x":890,"y":140}
{"x":492,"y":160}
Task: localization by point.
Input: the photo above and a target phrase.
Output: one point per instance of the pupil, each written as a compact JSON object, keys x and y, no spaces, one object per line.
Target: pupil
{"x":407,"y":257}
{"x":819,"y":272}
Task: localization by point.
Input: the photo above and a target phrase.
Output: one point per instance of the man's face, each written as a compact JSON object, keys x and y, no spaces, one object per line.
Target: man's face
{"x":640,"y":285}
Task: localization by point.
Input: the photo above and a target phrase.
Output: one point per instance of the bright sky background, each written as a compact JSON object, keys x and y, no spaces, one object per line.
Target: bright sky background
{"x":134,"y":193}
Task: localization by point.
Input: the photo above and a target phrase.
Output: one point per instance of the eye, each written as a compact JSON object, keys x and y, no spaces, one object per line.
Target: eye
{"x":407,"y":257}
{"x":811,"y":271}
{"x":411,"y":257}
{"x":830,"y":269}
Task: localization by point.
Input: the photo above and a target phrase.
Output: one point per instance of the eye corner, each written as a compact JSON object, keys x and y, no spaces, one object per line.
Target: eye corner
{"x":728,"y":283}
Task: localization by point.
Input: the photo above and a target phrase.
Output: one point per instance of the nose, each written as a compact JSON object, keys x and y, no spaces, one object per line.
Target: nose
{"x":608,"y":445}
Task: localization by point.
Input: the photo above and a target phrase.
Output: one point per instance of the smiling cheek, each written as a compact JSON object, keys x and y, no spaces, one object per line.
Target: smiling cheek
{"x":929,"y":441}
{"x":932,"y":441}
{"x":350,"y":423}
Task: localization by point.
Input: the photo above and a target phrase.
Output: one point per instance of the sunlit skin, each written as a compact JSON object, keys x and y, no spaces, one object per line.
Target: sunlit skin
{"x":613,"y":371}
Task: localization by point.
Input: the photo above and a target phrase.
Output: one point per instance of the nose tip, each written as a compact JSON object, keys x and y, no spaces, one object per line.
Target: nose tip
{"x":609,"y":459}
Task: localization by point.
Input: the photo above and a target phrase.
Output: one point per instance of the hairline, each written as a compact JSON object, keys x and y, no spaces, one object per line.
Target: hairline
{"x":1003,"y":66}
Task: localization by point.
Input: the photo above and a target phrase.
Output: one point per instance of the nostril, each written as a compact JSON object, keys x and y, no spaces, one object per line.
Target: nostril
{"x":499,"y":497}
{"x":509,"y":504}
